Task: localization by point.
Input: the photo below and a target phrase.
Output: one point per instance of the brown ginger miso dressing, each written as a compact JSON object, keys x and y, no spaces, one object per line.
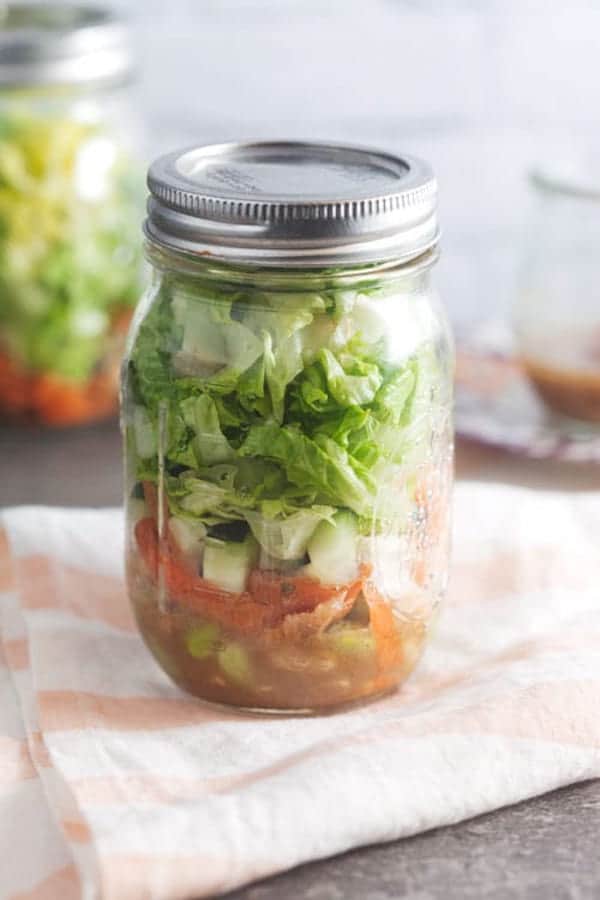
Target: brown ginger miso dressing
{"x":567,"y":391}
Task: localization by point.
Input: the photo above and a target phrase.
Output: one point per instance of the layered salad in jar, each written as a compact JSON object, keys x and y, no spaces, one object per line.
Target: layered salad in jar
{"x":288,"y":466}
{"x":70,"y":203}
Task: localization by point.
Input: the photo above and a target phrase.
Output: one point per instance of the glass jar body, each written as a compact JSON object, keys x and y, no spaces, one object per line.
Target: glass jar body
{"x":288,"y":450}
{"x":557,"y":314}
{"x":71,"y":200}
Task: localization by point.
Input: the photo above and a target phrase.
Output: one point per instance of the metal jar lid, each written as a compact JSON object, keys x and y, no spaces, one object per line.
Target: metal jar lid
{"x":293,"y":203}
{"x":61,"y":44}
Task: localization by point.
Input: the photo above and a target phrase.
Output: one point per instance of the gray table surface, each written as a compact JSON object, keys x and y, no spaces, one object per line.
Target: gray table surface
{"x":546,"y":848}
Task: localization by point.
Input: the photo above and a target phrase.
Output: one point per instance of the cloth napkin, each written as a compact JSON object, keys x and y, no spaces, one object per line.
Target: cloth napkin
{"x":116,"y":785}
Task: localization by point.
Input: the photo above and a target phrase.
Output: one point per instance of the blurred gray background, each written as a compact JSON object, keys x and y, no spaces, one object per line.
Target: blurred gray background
{"x":482,"y":89}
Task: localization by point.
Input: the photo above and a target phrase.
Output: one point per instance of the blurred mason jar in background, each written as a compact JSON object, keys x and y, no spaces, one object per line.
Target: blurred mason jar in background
{"x":557,"y":314}
{"x":71,"y":199}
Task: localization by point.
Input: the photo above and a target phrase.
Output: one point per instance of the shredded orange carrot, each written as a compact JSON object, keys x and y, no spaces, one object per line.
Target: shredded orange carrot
{"x":387,"y":639}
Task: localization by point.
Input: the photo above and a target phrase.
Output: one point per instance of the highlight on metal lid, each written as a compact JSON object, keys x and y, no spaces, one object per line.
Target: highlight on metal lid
{"x":280,"y":203}
{"x":62,"y":44}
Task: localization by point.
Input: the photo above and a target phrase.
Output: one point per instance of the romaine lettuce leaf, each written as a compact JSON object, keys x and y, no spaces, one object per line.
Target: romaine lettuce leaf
{"x":324,"y":467}
{"x":210,"y":444}
{"x":281,"y":331}
{"x":351,"y":380}
{"x":251,"y":388}
{"x":152,"y":373}
{"x":392,"y":398}
{"x":281,"y":417}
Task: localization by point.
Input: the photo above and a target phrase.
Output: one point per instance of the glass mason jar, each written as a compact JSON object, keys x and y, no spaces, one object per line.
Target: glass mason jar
{"x":557,"y":315}
{"x":70,"y":206}
{"x":286,"y":410}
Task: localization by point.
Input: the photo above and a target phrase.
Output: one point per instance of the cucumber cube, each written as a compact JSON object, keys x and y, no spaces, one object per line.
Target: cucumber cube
{"x":228,"y":564}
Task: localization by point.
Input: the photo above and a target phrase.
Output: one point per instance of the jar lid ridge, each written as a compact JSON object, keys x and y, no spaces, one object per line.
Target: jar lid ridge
{"x":283,"y":202}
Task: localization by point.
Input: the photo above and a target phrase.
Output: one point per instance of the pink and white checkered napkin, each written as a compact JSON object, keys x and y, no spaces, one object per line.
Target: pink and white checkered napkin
{"x":115,"y":785}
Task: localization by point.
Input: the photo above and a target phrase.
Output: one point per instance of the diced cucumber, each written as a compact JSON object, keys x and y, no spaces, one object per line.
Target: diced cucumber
{"x":228,"y":564}
{"x":188,"y":536}
{"x":287,"y":537}
{"x":203,"y":640}
{"x":266,"y":561}
{"x":351,"y":640}
{"x":235,"y":664}
{"x":332,"y":550}
{"x":144,"y":433}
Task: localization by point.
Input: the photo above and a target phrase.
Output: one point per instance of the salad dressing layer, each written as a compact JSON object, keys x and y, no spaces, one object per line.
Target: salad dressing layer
{"x":565,"y":370}
{"x":574,"y":393}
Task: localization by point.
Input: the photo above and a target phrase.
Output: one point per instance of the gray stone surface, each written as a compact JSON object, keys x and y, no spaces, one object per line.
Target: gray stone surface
{"x":74,"y":467}
{"x":545,"y":849}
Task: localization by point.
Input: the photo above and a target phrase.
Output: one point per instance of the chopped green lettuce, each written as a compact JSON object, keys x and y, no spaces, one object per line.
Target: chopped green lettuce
{"x":282,"y":412}
{"x":320,"y":464}
{"x":351,"y":381}
{"x":210,"y":444}
{"x":70,"y":206}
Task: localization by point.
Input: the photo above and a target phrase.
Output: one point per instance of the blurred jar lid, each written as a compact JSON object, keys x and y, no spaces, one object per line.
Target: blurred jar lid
{"x":574,"y":173}
{"x":62,"y":44}
{"x":286,"y":203}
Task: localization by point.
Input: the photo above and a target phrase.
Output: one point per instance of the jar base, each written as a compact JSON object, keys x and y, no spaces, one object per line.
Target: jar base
{"x":297,"y":713}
